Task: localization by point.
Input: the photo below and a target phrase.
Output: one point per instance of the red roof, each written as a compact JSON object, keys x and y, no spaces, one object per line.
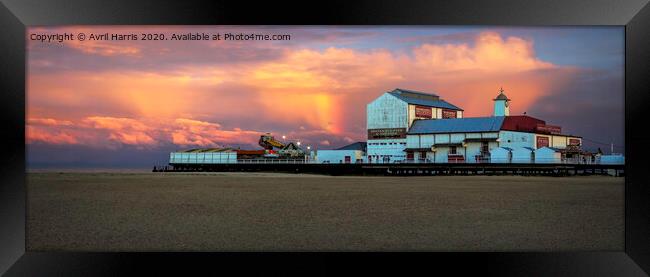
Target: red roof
{"x":522,"y":123}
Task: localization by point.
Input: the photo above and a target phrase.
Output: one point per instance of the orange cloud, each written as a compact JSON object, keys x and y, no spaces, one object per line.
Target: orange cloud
{"x":48,"y":122}
{"x":118,"y":124}
{"x":331,"y":69}
{"x":328,"y":81}
{"x":491,"y":53}
{"x":112,"y":132}
{"x":35,"y":134}
{"x":201,"y":133}
{"x":123,"y":130}
{"x":324,"y":91}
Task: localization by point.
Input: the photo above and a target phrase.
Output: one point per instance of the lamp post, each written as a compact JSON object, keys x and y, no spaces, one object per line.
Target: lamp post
{"x":308,"y":156}
{"x":298,"y":143}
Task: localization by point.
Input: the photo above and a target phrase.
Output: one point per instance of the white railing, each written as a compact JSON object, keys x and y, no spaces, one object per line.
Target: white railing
{"x":274,"y":161}
{"x":418,"y":161}
{"x":504,"y":161}
{"x":549,"y":161}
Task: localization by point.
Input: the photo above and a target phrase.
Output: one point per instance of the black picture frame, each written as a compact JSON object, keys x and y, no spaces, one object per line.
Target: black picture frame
{"x":15,"y":15}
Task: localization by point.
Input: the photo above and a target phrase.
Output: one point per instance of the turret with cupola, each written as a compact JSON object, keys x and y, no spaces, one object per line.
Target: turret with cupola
{"x":501,"y":104}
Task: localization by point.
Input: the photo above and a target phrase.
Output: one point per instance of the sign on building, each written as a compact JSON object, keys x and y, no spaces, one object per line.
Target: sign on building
{"x":552,"y":129}
{"x":574,"y":141}
{"x":387,"y":133}
{"x":421,"y":111}
{"x":542,"y":142}
{"x":448,"y":114}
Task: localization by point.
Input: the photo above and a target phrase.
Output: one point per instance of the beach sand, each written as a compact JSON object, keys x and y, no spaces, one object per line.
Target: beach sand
{"x":299,"y":212}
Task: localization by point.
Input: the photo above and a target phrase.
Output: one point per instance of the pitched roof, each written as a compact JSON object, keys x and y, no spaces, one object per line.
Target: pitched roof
{"x":551,"y":148}
{"x":521,"y":123}
{"x":359,"y":145}
{"x":501,"y":96}
{"x":457,"y":125}
{"x":415,"y":93}
{"x":421,"y":98}
{"x":523,"y":148}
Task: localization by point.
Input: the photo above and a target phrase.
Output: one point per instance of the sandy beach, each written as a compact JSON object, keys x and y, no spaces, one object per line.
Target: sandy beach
{"x":114,"y":211}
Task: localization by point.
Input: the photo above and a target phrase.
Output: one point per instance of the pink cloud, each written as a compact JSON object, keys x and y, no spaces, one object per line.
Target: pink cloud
{"x":112,"y":132}
{"x":201,"y":133}
{"x":491,"y":53}
{"x":35,"y":134}
{"x":323,"y":93}
{"x":48,"y":122}
{"x":125,"y":131}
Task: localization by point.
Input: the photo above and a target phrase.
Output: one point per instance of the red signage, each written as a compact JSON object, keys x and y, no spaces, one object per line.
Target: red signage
{"x":552,"y":129}
{"x":421,"y":111}
{"x":454,"y":158}
{"x":387,"y":133}
{"x":410,"y":155}
{"x":448,"y":114}
{"x":574,"y":142}
{"x":542,"y":142}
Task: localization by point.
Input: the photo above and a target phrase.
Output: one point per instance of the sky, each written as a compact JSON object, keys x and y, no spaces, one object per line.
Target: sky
{"x":127,"y":104}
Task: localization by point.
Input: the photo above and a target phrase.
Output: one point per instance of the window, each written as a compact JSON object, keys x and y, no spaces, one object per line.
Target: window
{"x":452,"y":150}
{"x":485,"y":147}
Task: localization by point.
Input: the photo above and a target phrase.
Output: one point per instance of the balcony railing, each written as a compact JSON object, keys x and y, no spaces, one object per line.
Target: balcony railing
{"x":274,"y":161}
{"x":579,"y":160}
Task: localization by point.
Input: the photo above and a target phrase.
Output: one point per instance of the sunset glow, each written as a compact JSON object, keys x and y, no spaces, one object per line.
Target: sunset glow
{"x":154,"y":96}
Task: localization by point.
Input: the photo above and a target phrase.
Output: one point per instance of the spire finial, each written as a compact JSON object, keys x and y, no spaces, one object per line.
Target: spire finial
{"x":501,"y":89}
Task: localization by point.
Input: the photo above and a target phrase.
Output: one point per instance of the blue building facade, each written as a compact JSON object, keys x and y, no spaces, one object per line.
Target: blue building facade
{"x":409,"y":126}
{"x":390,"y":117}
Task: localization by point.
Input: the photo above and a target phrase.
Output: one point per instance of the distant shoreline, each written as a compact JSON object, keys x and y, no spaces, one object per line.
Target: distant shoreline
{"x":88,"y":170}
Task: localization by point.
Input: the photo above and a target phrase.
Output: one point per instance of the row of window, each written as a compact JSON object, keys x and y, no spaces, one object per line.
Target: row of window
{"x":485,"y":148}
{"x":381,"y":156}
{"x":387,"y":143}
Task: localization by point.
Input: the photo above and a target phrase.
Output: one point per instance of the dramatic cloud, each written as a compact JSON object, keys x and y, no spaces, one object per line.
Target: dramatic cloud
{"x":102,"y":132}
{"x":123,"y":130}
{"x":314,"y":88}
{"x":201,"y":133}
{"x":490,"y":54}
{"x":148,"y":133}
{"x":35,"y":135}
{"x":48,"y":122}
